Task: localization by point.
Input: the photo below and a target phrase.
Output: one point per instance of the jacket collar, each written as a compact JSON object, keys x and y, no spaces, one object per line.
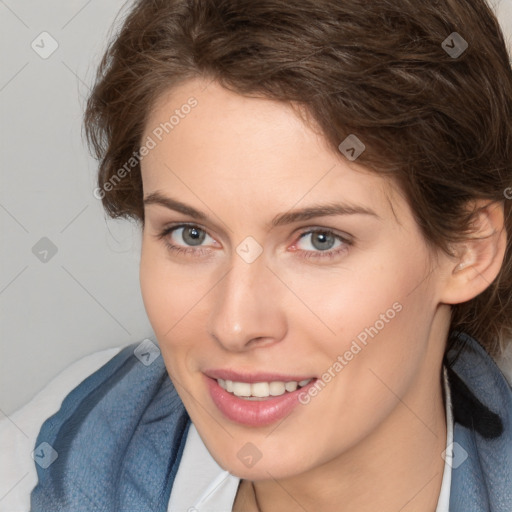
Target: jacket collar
{"x":482,"y":447}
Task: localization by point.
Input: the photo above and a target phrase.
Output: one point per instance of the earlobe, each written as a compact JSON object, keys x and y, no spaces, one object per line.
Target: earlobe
{"x":479,"y":257}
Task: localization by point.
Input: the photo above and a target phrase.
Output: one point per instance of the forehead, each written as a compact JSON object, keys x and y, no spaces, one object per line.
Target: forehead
{"x":249,"y":148}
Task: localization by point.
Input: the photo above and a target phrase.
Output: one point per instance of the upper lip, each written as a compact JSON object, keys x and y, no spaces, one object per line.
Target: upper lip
{"x":236,"y":376}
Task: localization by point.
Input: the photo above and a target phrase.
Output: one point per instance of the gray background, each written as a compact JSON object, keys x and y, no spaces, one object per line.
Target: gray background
{"x":56,"y":308}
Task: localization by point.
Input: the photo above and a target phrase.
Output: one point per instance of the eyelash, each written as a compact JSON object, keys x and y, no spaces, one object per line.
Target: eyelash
{"x":303,"y":254}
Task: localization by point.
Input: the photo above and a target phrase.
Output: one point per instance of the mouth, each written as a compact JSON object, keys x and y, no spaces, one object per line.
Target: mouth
{"x":261,"y":390}
{"x":258,"y":399}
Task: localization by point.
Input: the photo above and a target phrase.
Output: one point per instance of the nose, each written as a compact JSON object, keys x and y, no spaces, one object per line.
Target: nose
{"x":247,"y":307}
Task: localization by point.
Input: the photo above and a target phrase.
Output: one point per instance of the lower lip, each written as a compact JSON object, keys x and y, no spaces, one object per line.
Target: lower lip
{"x":255,"y":413}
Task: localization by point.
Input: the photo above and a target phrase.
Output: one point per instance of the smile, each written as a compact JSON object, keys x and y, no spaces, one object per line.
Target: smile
{"x":258,"y":390}
{"x":256,"y":403}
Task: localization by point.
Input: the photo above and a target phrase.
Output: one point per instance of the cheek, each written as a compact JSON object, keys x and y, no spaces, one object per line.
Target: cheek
{"x":344,"y":302}
{"x":166,"y":306}
{"x":376,"y":315}
{"x":174,"y":297}
{"x":165,"y":294}
{"x":382,"y":319}
{"x":154,"y":290}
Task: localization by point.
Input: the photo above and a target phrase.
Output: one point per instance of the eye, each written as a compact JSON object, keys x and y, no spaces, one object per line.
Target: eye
{"x":183,"y":238}
{"x":188,"y":239}
{"x":323,"y":243}
{"x":191,"y":235}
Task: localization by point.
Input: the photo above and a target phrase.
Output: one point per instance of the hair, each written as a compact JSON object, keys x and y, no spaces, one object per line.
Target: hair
{"x":438,"y":124}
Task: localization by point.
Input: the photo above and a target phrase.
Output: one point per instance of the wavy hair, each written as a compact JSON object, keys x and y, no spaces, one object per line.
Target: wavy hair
{"x":436,"y":119}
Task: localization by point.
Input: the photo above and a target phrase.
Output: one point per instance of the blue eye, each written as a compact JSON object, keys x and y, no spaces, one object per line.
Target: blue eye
{"x":322,"y":241}
{"x":190,"y":234}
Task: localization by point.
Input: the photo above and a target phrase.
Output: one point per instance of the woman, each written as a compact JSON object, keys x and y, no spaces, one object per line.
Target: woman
{"x":326,"y":262}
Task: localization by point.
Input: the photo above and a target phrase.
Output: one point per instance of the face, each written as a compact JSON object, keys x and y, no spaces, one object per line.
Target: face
{"x":244,"y":281}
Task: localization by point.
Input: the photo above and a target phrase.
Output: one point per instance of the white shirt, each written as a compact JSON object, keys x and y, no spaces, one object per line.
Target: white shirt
{"x":200,"y":481}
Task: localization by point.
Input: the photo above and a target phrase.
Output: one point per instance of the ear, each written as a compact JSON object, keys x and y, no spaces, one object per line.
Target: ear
{"x":479,"y":258}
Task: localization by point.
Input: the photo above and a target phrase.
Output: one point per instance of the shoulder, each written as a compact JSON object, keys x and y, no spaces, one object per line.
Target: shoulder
{"x":19,"y":430}
{"x":127,"y":384}
{"x":482,"y":447}
{"x":482,"y":393}
{"x":125,"y":418}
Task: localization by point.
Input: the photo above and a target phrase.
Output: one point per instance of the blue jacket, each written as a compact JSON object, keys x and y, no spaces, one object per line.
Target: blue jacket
{"x":120,"y":436}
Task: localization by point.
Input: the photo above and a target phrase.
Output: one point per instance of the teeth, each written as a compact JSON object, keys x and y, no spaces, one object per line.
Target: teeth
{"x":242,"y":388}
{"x":291,"y":386}
{"x":260,"y":389}
{"x":277,"y":388}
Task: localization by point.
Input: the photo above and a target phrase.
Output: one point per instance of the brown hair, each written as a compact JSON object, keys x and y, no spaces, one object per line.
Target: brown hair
{"x":438,"y":122}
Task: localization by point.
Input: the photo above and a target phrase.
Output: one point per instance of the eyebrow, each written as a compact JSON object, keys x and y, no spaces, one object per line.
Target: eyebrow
{"x":289,"y":217}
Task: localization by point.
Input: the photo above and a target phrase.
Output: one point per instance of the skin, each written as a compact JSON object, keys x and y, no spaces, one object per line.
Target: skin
{"x":372,"y":438}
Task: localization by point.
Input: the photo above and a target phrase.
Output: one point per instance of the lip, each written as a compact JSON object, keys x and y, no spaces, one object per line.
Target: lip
{"x":254,"y":413}
{"x":228,"y":374}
